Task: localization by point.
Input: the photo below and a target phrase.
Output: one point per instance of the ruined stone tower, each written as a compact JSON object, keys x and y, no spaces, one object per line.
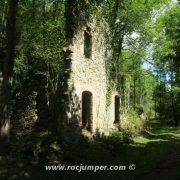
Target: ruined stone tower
{"x":88,"y":83}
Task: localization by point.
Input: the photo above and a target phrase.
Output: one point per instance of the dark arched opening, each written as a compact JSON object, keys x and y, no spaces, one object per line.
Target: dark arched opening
{"x":117,"y":109}
{"x":87,"y":117}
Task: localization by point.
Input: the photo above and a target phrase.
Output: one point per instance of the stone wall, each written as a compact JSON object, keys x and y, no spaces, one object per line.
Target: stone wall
{"x":89,"y":74}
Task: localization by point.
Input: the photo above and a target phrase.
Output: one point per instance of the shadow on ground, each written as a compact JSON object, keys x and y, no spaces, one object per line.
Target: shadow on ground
{"x":156,"y":155}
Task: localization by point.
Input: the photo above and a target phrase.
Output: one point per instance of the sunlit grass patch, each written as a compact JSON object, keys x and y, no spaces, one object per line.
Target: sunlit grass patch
{"x":144,"y":140}
{"x":158,"y":127}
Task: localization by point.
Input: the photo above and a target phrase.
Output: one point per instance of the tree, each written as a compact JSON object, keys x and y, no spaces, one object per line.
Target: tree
{"x":132,"y":35}
{"x":166,"y":58}
{"x":8,"y":70}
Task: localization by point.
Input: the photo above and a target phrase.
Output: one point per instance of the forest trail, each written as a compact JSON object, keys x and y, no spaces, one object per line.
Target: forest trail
{"x":156,"y":155}
{"x":170,"y":168}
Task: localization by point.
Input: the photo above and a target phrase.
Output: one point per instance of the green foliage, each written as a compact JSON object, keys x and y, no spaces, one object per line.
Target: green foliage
{"x":36,"y":106}
{"x":166,"y":57}
{"x":41,"y":26}
{"x":121,"y":136}
{"x":130,"y":127}
{"x":132,"y":123}
{"x":131,"y":33}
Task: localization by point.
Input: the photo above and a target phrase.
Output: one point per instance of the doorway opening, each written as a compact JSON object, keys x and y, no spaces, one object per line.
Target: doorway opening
{"x":87,"y":106}
{"x":117,"y":109}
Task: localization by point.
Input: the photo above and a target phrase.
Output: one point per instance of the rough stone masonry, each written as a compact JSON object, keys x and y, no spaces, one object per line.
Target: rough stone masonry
{"x":88,"y":83}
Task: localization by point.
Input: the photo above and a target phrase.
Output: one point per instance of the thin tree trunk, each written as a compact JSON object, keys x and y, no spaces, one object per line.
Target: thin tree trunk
{"x":134,"y":86}
{"x":173,"y":108}
{"x":8,"y":71}
{"x":134,"y":93}
{"x":128,"y":100}
{"x":173,"y":102}
{"x":155,"y":107}
{"x":115,"y":12}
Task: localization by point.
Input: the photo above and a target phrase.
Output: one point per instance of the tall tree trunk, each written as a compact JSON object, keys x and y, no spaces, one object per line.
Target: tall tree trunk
{"x":155,"y":107}
{"x":8,"y":71}
{"x":134,"y":86}
{"x":174,"y":109}
{"x":174,"y":113}
{"x":134,"y":93}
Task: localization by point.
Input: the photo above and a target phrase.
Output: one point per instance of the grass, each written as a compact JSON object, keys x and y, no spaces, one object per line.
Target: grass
{"x":150,"y":152}
{"x":160,"y":148}
{"x":156,"y":154}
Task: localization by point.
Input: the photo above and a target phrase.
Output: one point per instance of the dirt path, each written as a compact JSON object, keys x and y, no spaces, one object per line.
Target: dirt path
{"x":170,"y":170}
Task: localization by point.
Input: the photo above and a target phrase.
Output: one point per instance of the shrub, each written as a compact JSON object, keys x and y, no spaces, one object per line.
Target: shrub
{"x":131,"y":125}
